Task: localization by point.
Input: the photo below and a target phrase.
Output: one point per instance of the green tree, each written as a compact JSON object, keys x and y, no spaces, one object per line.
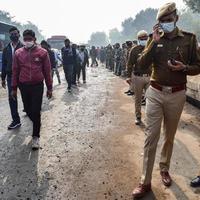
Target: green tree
{"x":193,"y":4}
{"x":7,"y":18}
{"x":98,"y":39}
{"x":115,"y":36}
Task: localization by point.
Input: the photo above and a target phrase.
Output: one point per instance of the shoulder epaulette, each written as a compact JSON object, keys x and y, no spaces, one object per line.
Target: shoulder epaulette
{"x":188,"y":33}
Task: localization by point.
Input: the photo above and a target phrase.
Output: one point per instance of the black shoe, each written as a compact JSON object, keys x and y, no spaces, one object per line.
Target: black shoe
{"x":143,"y":102}
{"x":195,"y":182}
{"x":130,"y":94}
{"x":127,"y":92}
{"x":14,"y":125}
{"x":84,"y":82}
{"x":69,"y":90}
{"x":138,"y":121}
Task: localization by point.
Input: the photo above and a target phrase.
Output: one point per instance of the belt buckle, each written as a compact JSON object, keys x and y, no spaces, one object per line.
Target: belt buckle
{"x":167,"y":90}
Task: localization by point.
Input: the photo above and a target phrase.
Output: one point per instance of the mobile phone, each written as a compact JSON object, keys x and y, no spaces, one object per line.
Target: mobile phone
{"x":173,"y":61}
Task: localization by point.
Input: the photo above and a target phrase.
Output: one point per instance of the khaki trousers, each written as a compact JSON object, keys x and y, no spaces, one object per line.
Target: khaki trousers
{"x":131,"y":87}
{"x":159,"y":106}
{"x":140,"y":84}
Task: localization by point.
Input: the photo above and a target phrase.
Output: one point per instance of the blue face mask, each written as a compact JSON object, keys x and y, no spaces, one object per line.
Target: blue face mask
{"x":168,"y":27}
{"x":142,"y":42}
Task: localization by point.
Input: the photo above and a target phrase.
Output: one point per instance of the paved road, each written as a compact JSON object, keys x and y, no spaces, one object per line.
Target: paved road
{"x":90,"y":148}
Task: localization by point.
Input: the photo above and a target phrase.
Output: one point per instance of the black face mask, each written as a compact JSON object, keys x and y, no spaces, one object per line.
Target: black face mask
{"x":14,"y":38}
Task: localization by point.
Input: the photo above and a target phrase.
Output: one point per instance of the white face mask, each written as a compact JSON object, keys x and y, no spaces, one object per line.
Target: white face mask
{"x":142,"y":42}
{"x":168,"y":27}
{"x":28,"y":45}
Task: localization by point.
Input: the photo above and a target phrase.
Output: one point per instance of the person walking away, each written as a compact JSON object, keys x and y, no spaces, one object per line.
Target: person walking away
{"x":76,"y":65}
{"x":84,"y":60}
{"x":173,"y":55}
{"x":69,"y":60}
{"x":57,"y":60}
{"x":93,"y":55}
{"x":30,"y":67}
{"x":141,"y":77}
{"x":7,"y":60}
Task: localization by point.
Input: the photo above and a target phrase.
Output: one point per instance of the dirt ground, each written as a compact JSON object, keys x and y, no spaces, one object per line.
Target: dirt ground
{"x":91,"y":148}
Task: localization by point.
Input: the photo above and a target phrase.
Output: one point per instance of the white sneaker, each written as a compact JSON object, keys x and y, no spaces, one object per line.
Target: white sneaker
{"x":35,"y":143}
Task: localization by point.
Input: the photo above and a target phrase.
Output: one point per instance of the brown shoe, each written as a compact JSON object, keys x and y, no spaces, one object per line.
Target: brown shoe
{"x":166,"y":179}
{"x":141,"y":190}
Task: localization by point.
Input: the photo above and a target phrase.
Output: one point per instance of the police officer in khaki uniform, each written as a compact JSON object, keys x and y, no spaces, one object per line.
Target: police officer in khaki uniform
{"x":141,"y":78}
{"x":173,"y":56}
{"x":129,"y":47}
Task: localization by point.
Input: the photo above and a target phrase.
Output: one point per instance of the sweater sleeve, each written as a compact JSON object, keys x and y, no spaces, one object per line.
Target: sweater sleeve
{"x":194,"y":66}
{"x":15,"y":72}
{"x":47,"y":71}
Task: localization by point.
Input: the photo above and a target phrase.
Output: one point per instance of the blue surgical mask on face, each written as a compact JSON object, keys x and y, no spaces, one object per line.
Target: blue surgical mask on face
{"x":142,"y":42}
{"x":168,"y":27}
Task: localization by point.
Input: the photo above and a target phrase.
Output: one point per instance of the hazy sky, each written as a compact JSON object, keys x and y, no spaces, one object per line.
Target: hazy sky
{"x":77,"y":19}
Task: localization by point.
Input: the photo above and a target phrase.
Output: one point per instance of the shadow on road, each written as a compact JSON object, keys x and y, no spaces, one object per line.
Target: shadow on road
{"x":19,"y":169}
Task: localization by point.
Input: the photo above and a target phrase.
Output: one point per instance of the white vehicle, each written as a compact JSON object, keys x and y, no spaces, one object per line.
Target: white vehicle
{"x":58,"y":57}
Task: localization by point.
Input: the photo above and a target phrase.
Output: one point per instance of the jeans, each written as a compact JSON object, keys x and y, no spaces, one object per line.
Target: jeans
{"x":32,"y":99}
{"x":68,"y":69}
{"x":12,"y":103}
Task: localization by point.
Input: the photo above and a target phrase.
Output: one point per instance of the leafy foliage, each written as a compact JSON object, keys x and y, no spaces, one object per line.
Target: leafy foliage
{"x":98,"y":39}
{"x":7,"y":18}
{"x":193,"y":4}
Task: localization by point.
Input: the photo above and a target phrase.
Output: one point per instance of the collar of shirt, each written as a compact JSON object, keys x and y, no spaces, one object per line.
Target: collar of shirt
{"x":13,"y":47}
{"x":176,"y":33}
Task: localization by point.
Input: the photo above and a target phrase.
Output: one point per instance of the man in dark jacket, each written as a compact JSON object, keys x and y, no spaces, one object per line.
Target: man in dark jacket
{"x":84,"y":60}
{"x":69,"y":59}
{"x":7,"y":59}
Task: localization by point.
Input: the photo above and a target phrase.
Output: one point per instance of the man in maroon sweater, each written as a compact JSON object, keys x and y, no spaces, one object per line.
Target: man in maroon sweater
{"x":31,"y":67}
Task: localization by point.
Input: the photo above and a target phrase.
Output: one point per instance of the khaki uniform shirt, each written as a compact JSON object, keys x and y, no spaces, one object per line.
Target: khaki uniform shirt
{"x":132,"y":64}
{"x":181,"y":47}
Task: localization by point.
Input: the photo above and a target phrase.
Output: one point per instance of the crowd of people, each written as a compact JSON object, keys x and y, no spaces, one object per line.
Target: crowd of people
{"x":155,"y":67}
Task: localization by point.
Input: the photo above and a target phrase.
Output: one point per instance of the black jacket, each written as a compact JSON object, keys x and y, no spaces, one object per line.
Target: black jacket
{"x":68,"y":56}
{"x":7,"y":59}
{"x":52,"y":58}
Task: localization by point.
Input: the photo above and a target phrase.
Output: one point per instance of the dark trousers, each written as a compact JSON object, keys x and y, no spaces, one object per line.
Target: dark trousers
{"x":55,"y":70}
{"x":94,"y":62}
{"x":12,"y":102}
{"x":75,"y":74}
{"x":82,"y":69}
{"x":32,"y":99}
{"x":68,"y":69}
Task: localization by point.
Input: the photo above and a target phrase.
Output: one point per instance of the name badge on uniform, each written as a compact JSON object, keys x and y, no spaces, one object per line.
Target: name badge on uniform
{"x":159,"y":45}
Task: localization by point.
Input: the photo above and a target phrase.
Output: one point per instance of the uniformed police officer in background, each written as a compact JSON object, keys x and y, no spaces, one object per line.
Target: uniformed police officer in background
{"x":141,"y":77}
{"x":173,"y":55}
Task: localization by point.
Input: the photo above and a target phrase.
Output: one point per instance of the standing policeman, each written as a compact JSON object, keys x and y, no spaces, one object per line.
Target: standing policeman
{"x":173,"y":57}
{"x":141,"y":76}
